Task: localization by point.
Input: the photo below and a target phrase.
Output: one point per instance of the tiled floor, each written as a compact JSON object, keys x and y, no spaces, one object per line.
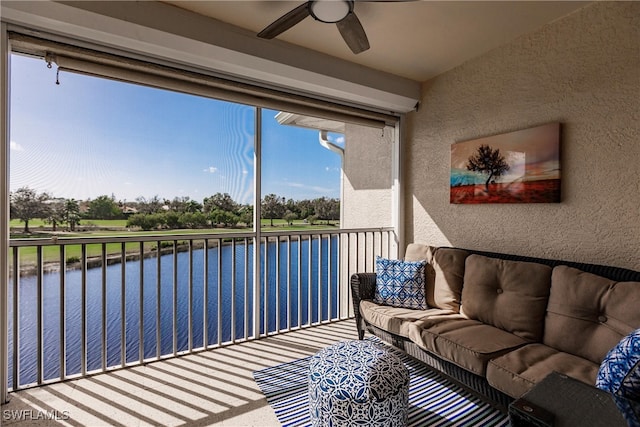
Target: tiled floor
{"x":209,"y":388}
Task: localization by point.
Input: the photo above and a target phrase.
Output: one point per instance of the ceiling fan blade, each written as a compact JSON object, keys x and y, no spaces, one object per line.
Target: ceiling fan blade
{"x":285,"y":22}
{"x":353,"y":33}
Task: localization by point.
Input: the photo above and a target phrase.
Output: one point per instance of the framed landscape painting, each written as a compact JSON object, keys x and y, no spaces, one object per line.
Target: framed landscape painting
{"x":515,"y":167}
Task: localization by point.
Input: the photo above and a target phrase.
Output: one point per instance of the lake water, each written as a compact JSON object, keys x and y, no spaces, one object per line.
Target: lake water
{"x":28,"y":308}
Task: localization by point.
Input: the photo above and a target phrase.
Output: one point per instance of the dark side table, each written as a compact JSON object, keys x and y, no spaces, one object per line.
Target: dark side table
{"x":562,"y":401}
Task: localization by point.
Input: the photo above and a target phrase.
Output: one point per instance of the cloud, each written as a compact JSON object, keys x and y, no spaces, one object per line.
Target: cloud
{"x":245,"y":172}
{"x":336,"y":139}
{"x":211,"y":169}
{"x":317,"y":189}
{"x":14,"y":146}
{"x":331,"y":169}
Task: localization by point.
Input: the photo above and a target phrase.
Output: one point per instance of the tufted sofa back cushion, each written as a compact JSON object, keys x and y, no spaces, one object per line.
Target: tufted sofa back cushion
{"x":510,"y":295}
{"x":444,"y":274}
{"x":589,"y":314}
{"x":418,"y":252}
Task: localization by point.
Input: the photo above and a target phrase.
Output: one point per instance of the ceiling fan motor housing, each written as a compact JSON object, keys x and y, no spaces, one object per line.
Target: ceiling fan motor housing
{"x":330,"y":11}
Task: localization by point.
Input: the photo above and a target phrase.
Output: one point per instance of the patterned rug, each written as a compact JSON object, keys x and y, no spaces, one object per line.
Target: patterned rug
{"x":433,"y":400}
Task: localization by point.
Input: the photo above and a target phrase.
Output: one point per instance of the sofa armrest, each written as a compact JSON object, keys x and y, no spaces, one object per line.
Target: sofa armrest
{"x":363,"y":286}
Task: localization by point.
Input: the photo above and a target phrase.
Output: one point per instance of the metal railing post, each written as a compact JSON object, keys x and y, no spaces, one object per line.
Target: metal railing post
{"x":205,"y":295}
{"x":158,"y":299}
{"x":233,"y":290}
{"x":103,"y":313}
{"x":219,"y":288}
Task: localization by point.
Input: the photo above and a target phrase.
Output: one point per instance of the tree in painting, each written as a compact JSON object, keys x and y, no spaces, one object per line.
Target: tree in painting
{"x":488,"y":161}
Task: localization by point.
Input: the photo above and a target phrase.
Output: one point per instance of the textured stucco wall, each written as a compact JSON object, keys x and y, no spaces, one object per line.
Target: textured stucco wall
{"x":367,"y":167}
{"x":583,"y":71}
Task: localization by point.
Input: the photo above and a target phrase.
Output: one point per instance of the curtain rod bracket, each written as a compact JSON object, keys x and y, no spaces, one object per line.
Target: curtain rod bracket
{"x":49,"y":58}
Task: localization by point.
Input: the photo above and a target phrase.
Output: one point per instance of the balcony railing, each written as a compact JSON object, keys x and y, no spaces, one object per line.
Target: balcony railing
{"x":80,"y":306}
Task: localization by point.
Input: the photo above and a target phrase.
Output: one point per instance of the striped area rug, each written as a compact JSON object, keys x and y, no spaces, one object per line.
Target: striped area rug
{"x":433,"y":400}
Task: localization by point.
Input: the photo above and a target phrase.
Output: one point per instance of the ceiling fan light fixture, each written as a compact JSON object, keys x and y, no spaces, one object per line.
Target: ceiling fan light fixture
{"x":330,"y":11}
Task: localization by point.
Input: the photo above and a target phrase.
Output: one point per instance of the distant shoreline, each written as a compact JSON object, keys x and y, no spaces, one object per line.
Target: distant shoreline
{"x":31,"y":269}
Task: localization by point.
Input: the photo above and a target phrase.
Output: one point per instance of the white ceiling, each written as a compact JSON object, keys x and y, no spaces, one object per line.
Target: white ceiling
{"x":413,"y":39}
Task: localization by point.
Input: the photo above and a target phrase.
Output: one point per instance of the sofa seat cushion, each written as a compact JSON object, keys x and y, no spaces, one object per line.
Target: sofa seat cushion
{"x":467,"y":343}
{"x":516,"y":372}
{"x":588,"y":314}
{"x":396,"y":320}
{"x":510,"y":295}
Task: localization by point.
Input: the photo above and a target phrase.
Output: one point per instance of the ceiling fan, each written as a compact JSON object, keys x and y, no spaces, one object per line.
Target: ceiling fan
{"x":339,"y":12}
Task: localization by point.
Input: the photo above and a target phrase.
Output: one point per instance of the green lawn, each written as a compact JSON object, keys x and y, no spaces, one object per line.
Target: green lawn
{"x":28,"y":255}
{"x":297,"y":224}
{"x":105,"y":222}
{"x":85,"y":223}
{"x":122,"y":223}
{"x":15,"y":223}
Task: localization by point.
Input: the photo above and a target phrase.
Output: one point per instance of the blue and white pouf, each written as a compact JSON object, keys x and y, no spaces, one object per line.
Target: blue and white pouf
{"x":355,"y":383}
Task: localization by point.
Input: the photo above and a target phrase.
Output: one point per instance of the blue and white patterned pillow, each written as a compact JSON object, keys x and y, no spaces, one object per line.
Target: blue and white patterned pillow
{"x":619,"y":374}
{"x":400,"y":283}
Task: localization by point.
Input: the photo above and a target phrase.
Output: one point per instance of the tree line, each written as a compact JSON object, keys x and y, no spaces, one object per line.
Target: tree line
{"x":218,"y":210}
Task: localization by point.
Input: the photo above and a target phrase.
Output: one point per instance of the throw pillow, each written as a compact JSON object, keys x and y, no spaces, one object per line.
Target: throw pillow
{"x":619,"y":372}
{"x":400,"y":283}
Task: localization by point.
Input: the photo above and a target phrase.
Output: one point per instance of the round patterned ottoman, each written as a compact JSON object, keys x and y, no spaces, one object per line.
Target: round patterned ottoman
{"x":357,"y":383}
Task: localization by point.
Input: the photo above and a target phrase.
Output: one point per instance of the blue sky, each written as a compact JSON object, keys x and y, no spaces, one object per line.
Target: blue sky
{"x":89,"y":136}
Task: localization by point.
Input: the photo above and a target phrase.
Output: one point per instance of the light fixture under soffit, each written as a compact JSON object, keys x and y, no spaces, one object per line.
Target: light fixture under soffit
{"x":330,"y":11}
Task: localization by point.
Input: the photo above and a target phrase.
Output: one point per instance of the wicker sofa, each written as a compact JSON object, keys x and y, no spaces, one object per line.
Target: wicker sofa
{"x":499,"y":323}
